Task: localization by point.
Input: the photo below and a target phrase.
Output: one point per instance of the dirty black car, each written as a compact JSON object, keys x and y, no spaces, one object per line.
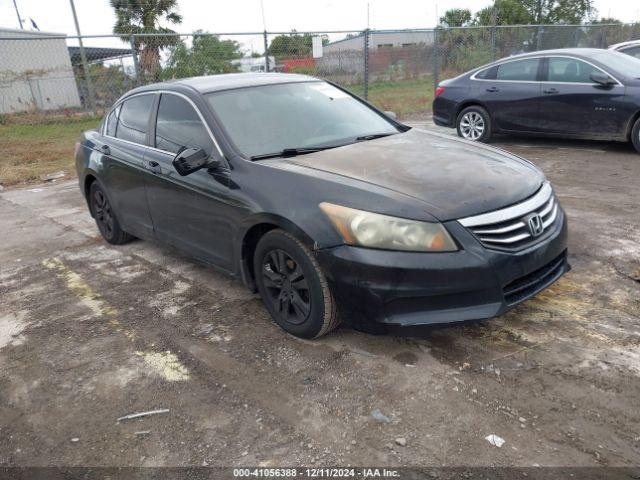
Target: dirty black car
{"x":583,"y":93}
{"x":329,"y":208}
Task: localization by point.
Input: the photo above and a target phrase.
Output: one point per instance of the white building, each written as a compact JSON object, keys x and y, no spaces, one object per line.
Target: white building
{"x":35,"y":73}
{"x":254,"y":64}
{"x":378,"y":40}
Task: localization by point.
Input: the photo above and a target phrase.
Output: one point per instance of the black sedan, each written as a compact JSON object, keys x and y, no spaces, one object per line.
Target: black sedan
{"x":325,"y":205}
{"x":571,"y":93}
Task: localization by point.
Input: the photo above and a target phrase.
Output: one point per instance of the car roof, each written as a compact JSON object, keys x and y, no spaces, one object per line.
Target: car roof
{"x":624,"y":44}
{"x":576,"y":52}
{"x":227,"y":81}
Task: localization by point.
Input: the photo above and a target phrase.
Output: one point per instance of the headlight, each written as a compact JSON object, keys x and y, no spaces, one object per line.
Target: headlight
{"x":373,"y":230}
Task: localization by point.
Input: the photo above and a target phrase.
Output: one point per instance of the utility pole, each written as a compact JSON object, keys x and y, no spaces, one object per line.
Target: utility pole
{"x":18,"y":13}
{"x":83,"y":56}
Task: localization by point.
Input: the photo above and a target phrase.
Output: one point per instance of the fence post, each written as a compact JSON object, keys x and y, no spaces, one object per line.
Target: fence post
{"x":493,"y":42}
{"x":539,"y":40}
{"x":136,"y":66}
{"x":366,"y":64}
{"x":85,"y":65}
{"x":576,"y":37}
{"x":436,"y":67}
{"x":266,"y":51}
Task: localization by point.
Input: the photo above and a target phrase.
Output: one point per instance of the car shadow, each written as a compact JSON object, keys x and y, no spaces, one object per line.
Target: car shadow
{"x":561,"y":143}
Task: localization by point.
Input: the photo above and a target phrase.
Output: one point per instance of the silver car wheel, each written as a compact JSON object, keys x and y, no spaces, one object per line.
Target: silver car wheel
{"x":472,"y":125}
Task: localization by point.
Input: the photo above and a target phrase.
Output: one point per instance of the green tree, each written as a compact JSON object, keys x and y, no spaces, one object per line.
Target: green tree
{"x":293,"y":45}
{"x":606,"y":21}
{"x":145,"y":16}
{"x":535,"y":12}
{"x":456,"y":17}
{"x":208,"y":55}
{"x":504,"y":12}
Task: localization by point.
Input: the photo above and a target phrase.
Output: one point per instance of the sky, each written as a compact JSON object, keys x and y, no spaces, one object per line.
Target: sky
{"x":96,"y":16}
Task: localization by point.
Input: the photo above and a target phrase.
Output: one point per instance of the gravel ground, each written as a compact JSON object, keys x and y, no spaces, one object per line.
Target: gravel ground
{"x":90,"y":333}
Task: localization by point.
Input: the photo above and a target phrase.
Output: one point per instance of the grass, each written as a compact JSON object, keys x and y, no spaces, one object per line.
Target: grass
{"x":404,"y":97}
{"x":30,"y":151}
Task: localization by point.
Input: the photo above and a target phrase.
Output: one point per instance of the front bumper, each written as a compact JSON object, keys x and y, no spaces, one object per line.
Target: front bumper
{"x":411,"y":288}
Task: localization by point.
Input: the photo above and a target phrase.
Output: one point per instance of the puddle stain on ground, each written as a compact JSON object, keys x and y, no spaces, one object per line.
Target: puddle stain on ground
{"x":166,"y":364}
{"x":11,"y":328}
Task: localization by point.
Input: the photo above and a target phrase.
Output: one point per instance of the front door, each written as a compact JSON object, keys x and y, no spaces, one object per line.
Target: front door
{"x":573,"y":104}
{"x":194,"y":213}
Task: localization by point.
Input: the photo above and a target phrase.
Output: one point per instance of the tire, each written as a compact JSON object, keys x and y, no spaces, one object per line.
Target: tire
{"x":474,"y":123}
{"x":105,"y":216}
{"x":293,"y":287}
{"x":635,"y":135}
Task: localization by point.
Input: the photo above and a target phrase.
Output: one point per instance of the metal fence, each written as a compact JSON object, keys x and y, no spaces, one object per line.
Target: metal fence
{"x":44,"y":76}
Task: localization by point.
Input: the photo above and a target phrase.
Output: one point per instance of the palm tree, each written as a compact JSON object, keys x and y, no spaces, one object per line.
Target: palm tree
{"x":144,"y":16}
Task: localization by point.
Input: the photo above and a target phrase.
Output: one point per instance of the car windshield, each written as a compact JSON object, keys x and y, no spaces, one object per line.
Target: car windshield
{"x":271,"y":118}
{"x":621,"y":63}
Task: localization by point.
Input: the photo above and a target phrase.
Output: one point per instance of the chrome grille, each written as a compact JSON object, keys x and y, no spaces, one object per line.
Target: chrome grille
{"x":509,"y":228}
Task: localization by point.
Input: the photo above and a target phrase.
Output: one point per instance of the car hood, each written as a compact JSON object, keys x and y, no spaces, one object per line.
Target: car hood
{"x":456,"y":178}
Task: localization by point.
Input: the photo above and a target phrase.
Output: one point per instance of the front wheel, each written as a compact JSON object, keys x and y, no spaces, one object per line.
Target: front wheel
{"x":293,"y":287}
{"x":635,"y":135}
{"x":474,"y":123}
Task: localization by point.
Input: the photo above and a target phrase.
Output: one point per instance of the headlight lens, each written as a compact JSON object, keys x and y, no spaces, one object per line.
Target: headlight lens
{"x":367,"y":229}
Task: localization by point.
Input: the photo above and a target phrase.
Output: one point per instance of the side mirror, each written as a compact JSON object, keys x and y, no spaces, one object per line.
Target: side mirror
{"x":391,"y":115}
{"x":602,"y":79}
{"x":190,"y":160}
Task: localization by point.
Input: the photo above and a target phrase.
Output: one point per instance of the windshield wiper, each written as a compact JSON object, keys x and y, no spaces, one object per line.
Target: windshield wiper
{"x":291,"y":152}
{"x":373,"y":136}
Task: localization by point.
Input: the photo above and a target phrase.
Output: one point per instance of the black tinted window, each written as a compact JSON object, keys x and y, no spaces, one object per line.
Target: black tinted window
{"x":519,"y":70}
{"x":633,"y":51}
{"x":179,"y":126}
{"x":134,"y":118}
{"x":570,"y":70}
{"x":487,"y":74}
{"x":112,"y":122}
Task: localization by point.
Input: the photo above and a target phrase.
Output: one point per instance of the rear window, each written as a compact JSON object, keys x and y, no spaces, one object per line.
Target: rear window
{"x":133,"y":121}
{"x":633,"y":51}
{"x":112,"y":122}
{"x":621,"y":63}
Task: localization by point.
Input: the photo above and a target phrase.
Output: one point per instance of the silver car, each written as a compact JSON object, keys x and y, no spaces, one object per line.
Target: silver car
{"x":630,"y":48}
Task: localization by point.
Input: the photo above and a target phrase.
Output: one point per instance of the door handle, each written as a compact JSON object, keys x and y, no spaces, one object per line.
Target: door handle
{"x":153,"y":166}
{"x":105,"y":149}
{"x":493,"y":89}
{"x":550,"y":91}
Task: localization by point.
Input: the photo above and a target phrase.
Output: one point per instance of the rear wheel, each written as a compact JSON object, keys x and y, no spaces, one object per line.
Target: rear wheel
{"x":105,"y":216}
{"x":635,"y":135}
{"x":474,"y":123}
{"x":292,"y":286}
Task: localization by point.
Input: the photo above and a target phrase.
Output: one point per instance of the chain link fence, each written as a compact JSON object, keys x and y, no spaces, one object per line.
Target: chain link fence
{"x":45,"y":77}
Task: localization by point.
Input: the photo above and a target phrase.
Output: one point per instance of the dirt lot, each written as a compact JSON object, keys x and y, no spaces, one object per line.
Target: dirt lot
{"x":90,"y":332}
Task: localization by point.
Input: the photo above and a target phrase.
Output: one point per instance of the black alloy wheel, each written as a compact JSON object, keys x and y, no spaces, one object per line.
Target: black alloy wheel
{"x":293,"y":286}
{"x":286,"y":287}
{"x":105,"y":217}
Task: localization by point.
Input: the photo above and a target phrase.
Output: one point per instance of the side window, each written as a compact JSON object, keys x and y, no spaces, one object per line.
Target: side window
{"x":112,"y":122}
{"x":179,"y":126}
{"x":519,"y":70}
{"x":633,"y":51}
{"x":570,"y":70}
{"x":487,"y":73}
{"x":134,"y":119}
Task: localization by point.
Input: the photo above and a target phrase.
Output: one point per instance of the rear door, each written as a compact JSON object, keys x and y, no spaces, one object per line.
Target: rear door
{"x":193,"y":213}
{"x":511,"y":93}
{"x":574,"y":104}
{"x":125,"y":138}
